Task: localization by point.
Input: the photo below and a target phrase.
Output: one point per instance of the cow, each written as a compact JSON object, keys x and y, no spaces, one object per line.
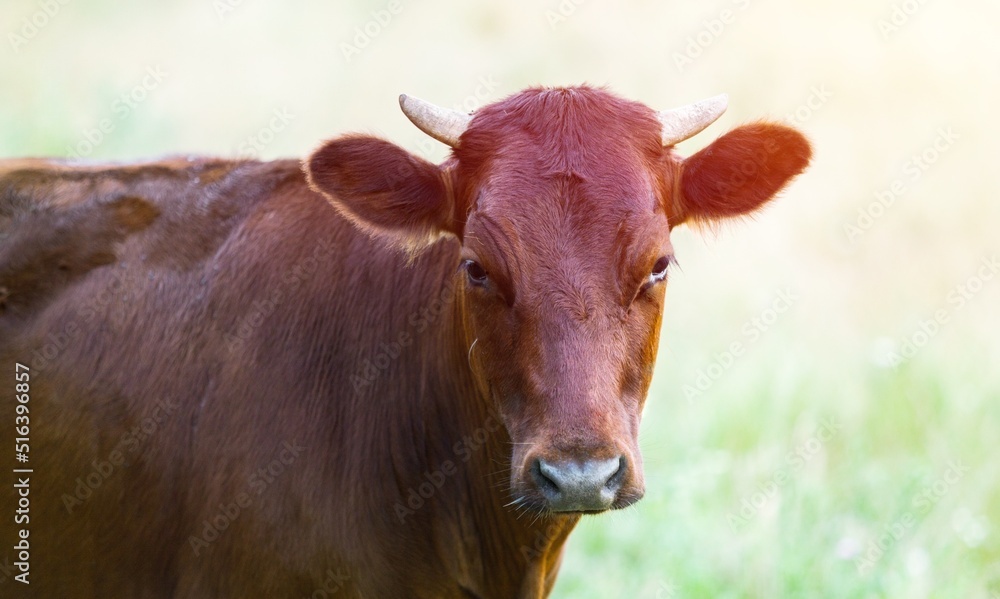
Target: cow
{"x":359,"y":375}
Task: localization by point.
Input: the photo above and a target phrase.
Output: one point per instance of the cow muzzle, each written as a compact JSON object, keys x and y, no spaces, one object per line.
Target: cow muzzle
{"x":579,"y":486}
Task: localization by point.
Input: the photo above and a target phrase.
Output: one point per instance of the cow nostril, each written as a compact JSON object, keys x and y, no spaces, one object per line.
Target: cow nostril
{"x":615,"y":481}
{"x":544,"y":483}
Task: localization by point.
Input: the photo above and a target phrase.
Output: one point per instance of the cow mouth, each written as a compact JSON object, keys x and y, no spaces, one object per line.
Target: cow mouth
{"x":536,"y":503}
{"x":579,"y":484}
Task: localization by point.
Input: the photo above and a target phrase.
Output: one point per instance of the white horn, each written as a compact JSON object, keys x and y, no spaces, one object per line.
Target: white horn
{"x":687,"y":121}
{"x":443,"y":124}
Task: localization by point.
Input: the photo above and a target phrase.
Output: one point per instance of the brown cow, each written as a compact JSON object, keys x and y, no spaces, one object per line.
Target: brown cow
{"x":234,"y":390}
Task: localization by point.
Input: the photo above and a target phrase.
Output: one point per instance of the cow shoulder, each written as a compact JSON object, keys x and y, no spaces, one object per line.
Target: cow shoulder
{"x":59,"y":223}
{"x":45,"y":247}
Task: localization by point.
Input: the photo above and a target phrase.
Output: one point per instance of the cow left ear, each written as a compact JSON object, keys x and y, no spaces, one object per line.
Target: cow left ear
{"x":738,"y":173}
{"x":384,"y":189}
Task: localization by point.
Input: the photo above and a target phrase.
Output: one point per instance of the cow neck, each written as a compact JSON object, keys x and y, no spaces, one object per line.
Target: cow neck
{"x":516,"y":546}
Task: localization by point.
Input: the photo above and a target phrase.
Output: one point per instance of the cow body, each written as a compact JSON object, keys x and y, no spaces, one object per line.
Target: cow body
{"x":237,"y":390}
{"x":230,"y":327}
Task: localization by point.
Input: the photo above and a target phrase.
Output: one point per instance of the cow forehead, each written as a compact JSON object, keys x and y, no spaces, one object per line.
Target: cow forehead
{"x":549,"y":154}
{"x":547,"y":210}
{"x":579,"y":252}
{"x":564,"y":120}
{"x":574,"y":132}
{"x":561,"y":178}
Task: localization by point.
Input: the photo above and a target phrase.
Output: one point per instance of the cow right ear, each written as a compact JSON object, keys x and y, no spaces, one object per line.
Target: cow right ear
{"x":384,"y":189}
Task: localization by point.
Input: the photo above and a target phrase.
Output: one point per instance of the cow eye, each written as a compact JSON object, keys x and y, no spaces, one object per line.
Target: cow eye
{"x":476,"y":273}
{"x":659,"y":270}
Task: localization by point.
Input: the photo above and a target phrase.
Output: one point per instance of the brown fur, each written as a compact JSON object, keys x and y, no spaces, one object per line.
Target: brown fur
{"x":228,"y":312}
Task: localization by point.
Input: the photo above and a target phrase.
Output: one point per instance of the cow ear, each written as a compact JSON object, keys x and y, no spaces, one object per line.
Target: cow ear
{"x":738,"y":173}
{"x":383,"y":189}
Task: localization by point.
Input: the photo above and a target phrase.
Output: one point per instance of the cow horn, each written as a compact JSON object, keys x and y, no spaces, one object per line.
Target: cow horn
{"x":443,"y":124}
{"x":687,"y":121}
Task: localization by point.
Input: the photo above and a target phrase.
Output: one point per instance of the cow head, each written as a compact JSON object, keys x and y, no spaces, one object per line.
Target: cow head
{"x":563,"y":201}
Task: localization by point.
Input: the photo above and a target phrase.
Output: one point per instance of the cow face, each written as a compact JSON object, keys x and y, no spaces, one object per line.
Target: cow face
{"x":563,"y":201}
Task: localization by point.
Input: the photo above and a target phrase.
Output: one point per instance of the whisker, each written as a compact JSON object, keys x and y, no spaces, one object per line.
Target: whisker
{"x":470,"y":349}
{"x":515,"y":502}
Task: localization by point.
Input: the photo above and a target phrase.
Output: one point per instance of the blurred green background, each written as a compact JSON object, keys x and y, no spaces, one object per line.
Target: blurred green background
{"x":846,"y":445}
